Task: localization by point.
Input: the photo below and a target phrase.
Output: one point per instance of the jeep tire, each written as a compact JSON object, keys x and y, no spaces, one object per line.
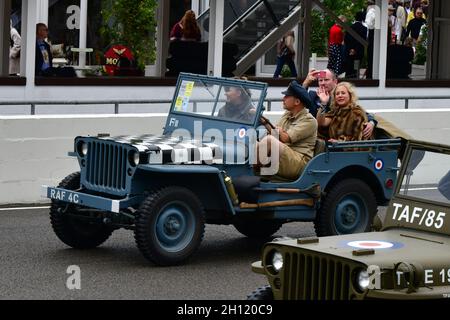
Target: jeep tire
{"x":348,"y":207}
{"x":72,"y":231}
{"x":170,"y":225}
{"x":263,"y":293}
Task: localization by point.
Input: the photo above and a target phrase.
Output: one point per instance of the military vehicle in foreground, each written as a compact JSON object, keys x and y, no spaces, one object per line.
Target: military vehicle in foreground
{"x":407,"y":258}
{"x":200,"y":170}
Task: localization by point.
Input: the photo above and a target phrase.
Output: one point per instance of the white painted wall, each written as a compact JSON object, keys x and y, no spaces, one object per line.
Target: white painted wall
{"x":99,"y":93}
{"x":33,"y":150}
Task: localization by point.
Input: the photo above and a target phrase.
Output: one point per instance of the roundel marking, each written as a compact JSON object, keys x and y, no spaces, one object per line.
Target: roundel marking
{"x":242,"y":132}
{"x":379,"y":164}
{"x":370,"y":244}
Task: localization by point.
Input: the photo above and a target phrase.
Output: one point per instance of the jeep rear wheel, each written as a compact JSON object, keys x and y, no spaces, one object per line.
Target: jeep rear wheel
{"x":67,"y":224}
{"x":169,"y":226}
{"x":257,"y":228}
{"x":348,"y":207}
{"x":263,"y":293}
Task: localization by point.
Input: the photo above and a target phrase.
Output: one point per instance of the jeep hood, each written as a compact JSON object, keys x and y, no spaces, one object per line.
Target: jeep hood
{"x":164,"y":149}
{"x":390,"y":247}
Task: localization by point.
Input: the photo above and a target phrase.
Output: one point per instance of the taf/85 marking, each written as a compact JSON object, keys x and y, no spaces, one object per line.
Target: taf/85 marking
{"x":419,"y":216}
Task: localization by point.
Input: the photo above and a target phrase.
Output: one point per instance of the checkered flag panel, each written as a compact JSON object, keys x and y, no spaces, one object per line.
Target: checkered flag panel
{"x":173,"y":150}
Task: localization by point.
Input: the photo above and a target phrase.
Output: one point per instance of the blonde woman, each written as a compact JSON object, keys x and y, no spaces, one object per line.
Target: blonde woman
{"x":345,"y":121}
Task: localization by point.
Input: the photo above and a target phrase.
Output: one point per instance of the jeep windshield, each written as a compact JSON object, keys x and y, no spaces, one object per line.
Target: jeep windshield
{"x":427,"y":176}
{"x":233,"y":101}
{"x":422,"y":197}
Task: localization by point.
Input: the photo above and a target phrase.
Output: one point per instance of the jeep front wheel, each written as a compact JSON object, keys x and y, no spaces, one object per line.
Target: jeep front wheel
{"x":67,"y":223}
{"x":169,"y":226}
{"x":348,"y":207}
{"x":263,"y":293}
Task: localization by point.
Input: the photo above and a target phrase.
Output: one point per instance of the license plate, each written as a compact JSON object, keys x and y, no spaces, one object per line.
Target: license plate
{"x":64,"y":195}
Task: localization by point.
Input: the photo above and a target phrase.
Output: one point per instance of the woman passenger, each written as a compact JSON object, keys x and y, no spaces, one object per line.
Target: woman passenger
{"x":345,"y":121}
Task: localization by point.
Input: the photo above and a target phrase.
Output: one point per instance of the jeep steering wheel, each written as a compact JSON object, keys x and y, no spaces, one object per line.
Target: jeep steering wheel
{"x":267,"y":124}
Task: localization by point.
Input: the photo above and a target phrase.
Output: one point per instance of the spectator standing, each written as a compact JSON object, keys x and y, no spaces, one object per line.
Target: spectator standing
{"x":413,"y":29}
{"x":335,"y":47}
{"x":371,"y":16}
{"x":14,"y":51}
{"x":424,"y":4}
{"x":399,"y":61}
{"x":354,"y":50}
{"x":392,"y":22}
{"x":286,"y":54}
{"x":43,"y":65}
{"x":400,"y":29}
{"x":407,"y":6}
{"x":412,"y":14}
{"x":186,"y":29}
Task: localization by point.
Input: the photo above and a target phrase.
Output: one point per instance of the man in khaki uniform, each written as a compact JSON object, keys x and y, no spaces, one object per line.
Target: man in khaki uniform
{"x":294,"y":137}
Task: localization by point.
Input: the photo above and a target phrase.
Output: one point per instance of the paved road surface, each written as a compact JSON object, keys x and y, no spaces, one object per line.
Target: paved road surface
{"x":34,"y":264}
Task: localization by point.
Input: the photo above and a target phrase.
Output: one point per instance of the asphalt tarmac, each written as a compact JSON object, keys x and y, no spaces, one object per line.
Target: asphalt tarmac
{"x":34,"y":264}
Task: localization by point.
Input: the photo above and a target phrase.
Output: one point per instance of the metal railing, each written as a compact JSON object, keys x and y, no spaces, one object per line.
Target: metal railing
{"x":406,"y":100}
{"x":117,"y":103}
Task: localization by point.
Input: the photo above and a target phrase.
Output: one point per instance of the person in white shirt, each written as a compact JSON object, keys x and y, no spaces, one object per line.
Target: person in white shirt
{"x":371,"y":19}
{"x":400,"y":27}
{"x":14,"y":51}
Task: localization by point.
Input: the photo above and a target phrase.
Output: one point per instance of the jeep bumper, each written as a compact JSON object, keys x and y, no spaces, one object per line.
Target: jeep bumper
{"x":88,"y":200}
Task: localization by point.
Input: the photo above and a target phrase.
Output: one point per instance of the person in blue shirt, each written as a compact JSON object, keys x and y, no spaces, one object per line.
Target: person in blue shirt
{"x":43,"y":65}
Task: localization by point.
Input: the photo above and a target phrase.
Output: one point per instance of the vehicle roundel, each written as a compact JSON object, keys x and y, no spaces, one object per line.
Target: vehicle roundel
{"x":242,"y":132}
{"x":379,"y":164}
{"x":374,"y":244}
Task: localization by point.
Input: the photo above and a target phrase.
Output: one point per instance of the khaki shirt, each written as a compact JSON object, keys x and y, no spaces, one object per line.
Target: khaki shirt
{"x":302,"y":131}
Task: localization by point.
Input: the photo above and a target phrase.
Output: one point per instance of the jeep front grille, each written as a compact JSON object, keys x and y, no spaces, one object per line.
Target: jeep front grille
{"x":311,"y":277}
{"x":107,"y":165}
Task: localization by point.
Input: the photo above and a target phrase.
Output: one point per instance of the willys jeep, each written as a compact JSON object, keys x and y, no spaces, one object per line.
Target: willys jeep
{"x":199,"y":171}
{"x":408,"y":258}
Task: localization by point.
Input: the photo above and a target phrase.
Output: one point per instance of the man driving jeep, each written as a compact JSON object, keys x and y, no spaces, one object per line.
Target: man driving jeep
{"x":294,"y":136}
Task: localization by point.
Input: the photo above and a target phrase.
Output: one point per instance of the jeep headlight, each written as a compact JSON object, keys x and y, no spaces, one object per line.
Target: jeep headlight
{"x":82,"y":148}
{"x":277,"y":261}
{"x":133,"y":158}
{"x":362,"y":280}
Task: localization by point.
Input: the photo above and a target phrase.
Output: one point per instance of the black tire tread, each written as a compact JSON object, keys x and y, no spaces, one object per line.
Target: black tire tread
{"x":324,"y":219}
{"x":63,"y":227}
{"x":263,"y":293}
{"x":143,"y":217}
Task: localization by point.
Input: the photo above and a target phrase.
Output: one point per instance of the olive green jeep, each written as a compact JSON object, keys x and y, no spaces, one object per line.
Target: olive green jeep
{"x":407,"y":257}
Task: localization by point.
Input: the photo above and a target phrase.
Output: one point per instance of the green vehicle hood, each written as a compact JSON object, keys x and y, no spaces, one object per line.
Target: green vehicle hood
{"x":400,"y":245}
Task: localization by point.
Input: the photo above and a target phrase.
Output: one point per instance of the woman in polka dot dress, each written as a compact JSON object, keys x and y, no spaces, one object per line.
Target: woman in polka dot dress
{"x":335,"y":47}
